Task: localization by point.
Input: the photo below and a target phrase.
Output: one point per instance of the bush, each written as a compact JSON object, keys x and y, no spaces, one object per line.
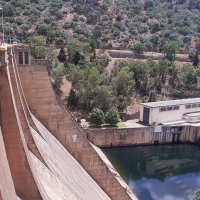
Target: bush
{"x":97,"y":117}
{"x":139,"y":47}
{"x":112,"y":116}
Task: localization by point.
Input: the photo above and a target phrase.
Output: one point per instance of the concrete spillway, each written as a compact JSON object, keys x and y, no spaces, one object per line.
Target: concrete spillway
{"x":44,"y":153}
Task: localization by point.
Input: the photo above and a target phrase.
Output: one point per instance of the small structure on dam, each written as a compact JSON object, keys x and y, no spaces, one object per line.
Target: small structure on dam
{"x":168,"y":111}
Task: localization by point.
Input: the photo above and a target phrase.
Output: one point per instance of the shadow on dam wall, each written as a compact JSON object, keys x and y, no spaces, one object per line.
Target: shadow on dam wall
{"x":143,"y":136}
{"x":37,"y":130}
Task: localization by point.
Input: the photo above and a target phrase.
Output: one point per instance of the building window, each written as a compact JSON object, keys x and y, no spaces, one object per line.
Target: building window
{"x":194,"y":105}
{"x":169,"y":108}
{"x":187,"y":106}
{"x":163,"y":109}
{"x":26,"y":58}
{"x":198,"y":105}
{"x":176,"y":107}
{"x":21,"y":61}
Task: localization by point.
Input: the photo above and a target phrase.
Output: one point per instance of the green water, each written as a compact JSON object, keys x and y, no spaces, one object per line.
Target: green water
{"x":169,"y":172}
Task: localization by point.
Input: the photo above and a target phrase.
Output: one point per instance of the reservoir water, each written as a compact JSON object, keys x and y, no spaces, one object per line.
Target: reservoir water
{"x":164,"y":172}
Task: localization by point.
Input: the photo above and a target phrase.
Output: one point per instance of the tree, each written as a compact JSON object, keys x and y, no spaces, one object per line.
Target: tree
{"x":62,"y":55}
{"x":97,"y":32}
{"x":103,"y":97}
{"x":57,"y":74}
{"x":72,"y":99}
{"x":196,"y":59}
{"x":92,"y":43}
{"x":152,"y":96}
{"x":38,"y":45}
{"x":97,"y":117}
{"x":75,"y":48}
{"x":189,"y":74}
{"x":112,"y":116}
{"x":140,"y":69}
{"x":170,"y":50}
{"x":123,"y":83}
{"x":139,"y":47}
{"x":197,"y":195}
{"x":42,"y":28}
{"x":163,"y":67}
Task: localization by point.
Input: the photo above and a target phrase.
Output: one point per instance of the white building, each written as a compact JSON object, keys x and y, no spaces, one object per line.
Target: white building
{"x":167,"y":111}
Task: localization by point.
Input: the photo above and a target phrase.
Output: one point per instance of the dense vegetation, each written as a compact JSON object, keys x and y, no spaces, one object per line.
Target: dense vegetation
{"x":80,"y":27}
{"x":117,"y":24}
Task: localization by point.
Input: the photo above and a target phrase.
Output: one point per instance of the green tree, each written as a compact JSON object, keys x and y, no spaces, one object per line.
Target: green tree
{"x":72,"y":98}
{"x":197,"y":195}
{"x":189,"y":74}
{"x":152,"y":96}
{"x":75,"y":47}
{"x":139,"y":47}
{"x":139,"y":69}
{"x":123,"y":83}
{"x":97,"y":32}
{"x":170,"y":50}
{"x":112,"y":116}
{"x":163,"y":67}
{"x":103,"y":97}
{"x":92,"y":43}
{"x":97,"y":117}
{"x":62,"y":55}
{"x":38,"y":45}
{"x":57,"y":75}
{"x":196,"y":59}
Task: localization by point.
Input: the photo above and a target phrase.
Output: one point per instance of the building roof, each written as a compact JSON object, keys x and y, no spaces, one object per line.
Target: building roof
{"x":171,"y":102}
{"x":194,"y":114}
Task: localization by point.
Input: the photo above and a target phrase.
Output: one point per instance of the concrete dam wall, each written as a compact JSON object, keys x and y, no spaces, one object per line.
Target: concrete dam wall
{"x":45,"y":154}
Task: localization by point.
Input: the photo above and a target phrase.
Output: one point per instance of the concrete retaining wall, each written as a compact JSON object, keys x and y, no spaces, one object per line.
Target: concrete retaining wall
{"x":141,"y":136}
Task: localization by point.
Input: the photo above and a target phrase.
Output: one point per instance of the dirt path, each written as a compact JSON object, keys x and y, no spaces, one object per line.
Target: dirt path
{"x":111,"y":65}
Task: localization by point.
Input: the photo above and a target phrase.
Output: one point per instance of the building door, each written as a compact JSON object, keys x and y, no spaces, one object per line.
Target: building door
{"x":146,"y":112}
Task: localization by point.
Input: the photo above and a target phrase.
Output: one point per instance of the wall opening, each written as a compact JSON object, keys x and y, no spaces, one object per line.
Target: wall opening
{"x":146,"y":112}
{"x":21,"y":60}
{"x":26,"y":58}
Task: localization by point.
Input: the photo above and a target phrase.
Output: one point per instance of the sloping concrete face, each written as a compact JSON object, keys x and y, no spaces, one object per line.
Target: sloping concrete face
{"x":45,"y":106}
{"x":19,"y":167}
{"x":37,"y":161}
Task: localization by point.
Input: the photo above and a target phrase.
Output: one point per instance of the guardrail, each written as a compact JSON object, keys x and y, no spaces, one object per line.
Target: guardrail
{"x":42,"y":62}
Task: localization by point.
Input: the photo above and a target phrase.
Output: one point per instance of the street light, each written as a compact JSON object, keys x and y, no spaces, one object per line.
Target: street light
{"x":9,"y":32}
{"x":2,"y":23}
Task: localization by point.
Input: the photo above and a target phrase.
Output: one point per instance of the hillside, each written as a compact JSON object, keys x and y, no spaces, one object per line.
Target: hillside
{"x":97,"y":40}
{"x":112,"y":23}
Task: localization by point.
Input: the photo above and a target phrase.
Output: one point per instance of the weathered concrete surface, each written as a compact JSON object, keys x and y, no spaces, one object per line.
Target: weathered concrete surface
{"x":45,"y":106}
{"x":120,"y":137}
{"x":62,"y":164}
{"x":20,"y":170}
{"x":141,"y":136}
{"x":7,"y":189}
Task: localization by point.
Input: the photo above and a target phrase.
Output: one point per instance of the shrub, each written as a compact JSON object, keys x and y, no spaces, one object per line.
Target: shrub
{"x":97,"y":117}
{"x":112,"y":116}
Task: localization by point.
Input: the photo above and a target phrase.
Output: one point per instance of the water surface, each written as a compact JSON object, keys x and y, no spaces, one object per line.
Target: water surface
{"x":169,"y":172}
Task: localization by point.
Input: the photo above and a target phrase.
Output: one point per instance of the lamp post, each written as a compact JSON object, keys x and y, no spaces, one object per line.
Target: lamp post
{"x":9,"y":32}
{"x":2,"y":24}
